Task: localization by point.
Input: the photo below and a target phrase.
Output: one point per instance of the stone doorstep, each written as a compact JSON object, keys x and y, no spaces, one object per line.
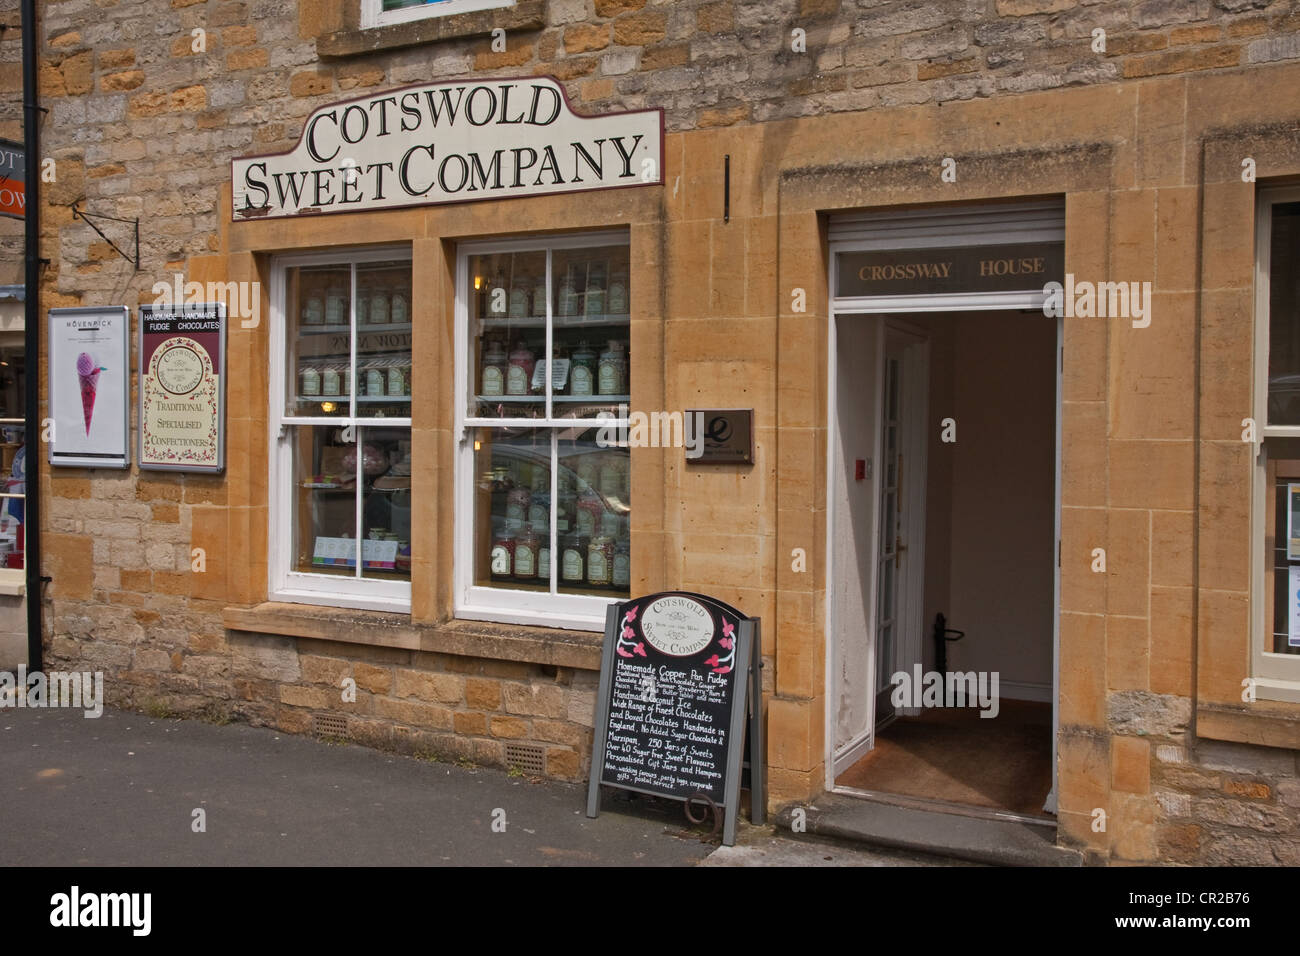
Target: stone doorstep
{"x":935,"y":833}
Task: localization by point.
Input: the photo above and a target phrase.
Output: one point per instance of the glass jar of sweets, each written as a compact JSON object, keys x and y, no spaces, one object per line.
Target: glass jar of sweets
{"x":526,"y":545}
{"x":600,"y":561}
{"x":520,"y":370}
{"x":573,"y":560}
{"x":502,"y":559}
{"x":494,"y":369}
{"x":582,"y":371}
{"x":621,"y":573}
{"x":611,"y":376}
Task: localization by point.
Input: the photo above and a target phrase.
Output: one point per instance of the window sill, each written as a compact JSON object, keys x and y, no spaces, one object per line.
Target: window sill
{"x":506,"y":642}
{"x":1266,"y":724}
{"x":524,"y":15}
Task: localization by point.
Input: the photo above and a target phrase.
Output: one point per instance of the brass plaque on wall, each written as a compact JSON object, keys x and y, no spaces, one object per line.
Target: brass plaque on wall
{"x":726,"y":436}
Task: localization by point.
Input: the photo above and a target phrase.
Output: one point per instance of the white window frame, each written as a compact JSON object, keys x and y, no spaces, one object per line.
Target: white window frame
{"x":579,"y":612}
{"x":285,"y":583}
{"x":374,"y":15}
{"x":1275,"y":676}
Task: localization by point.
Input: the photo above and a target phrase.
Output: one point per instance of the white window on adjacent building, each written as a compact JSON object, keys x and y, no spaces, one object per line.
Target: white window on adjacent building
{"x":340,"y":419}
{"x":543,"y":516}
{"x":379,"y":13}
{"x":1275,"y":643}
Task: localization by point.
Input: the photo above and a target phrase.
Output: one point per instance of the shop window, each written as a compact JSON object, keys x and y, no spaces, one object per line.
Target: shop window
{"x":544,"y":490}
{"x":377,"y":13}
{"x":13,"y":451}
{"x":341,"y":499}
{"x":1276,"y":645}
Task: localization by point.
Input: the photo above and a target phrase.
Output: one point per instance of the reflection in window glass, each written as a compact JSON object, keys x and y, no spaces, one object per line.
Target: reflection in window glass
{"x":348,"y":355}
{"x":1284,"y":316}
{"x":551,"y":511}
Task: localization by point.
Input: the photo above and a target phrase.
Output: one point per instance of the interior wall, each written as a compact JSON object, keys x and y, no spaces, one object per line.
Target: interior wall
{"x":853,"y":536}
{"x":990,"y":547}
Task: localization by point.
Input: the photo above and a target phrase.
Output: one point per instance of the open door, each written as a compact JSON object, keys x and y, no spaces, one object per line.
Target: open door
{"x":900,"y":550}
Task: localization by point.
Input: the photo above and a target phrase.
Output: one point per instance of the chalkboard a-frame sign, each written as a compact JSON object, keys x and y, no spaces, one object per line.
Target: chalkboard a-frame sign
{"x":679,"y":686}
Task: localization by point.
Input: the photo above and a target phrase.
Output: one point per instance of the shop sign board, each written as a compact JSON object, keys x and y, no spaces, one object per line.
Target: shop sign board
{"x":1009,"y":267}
{"x":13,"y":180}
{"x":89,"y":386}
{"x":445,"y":143}
{"x":182,"y":387}
{"x":679,"y":688}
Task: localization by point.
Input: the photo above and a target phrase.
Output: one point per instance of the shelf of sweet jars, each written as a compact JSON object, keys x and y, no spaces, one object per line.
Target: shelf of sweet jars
{"x":488,"y":323}
{"x":362,"y":328}
{"x":600,"y":401}
{"x":361,"y":399}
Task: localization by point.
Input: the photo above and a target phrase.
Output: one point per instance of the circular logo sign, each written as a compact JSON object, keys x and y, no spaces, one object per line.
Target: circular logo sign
{"x":677,"y":625}
{"x":180,"y":369}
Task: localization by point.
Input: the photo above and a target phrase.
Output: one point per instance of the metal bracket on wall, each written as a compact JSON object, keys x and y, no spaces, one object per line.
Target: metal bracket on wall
{"x":88,"y":216}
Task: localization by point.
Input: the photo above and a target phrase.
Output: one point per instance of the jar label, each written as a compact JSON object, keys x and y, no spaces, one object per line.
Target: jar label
{"x":500,"y":560}
{"x":610,"y":379}
{"x":524,"y":561}
{"x":571,"y":564}
{"x":492,"y":381}
{"x":517,"y":380}
{"x":597,"y":567}
{"x":581,"y":381}
{"x":622,"y":571}
{"x":544,"y":563}
{"x":586,"y":522}
{"x":537,"y":516}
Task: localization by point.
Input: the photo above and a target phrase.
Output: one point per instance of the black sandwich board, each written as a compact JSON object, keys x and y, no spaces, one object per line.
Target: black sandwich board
{"x":680,"y":683}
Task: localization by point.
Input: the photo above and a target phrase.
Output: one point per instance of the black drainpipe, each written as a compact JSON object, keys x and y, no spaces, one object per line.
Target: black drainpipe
{"x":32,"y":344}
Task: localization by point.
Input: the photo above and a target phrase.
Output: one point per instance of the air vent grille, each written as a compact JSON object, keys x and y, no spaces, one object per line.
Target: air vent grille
{"x":330,"y":725}
{"x":530,"y":758}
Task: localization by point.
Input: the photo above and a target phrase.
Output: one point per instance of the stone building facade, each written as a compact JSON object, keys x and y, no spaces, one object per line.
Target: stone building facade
{"x":776,"y":117}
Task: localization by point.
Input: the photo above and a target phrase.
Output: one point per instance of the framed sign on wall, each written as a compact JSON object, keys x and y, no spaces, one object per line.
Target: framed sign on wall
{"x":89,"y":383}
{"x":183,"y":387}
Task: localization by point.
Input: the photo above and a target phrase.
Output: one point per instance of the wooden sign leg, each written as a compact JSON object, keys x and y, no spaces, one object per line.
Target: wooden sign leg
{"x":612,"y":616}
{"x":736,"y":740}
{"x":757,"y":747}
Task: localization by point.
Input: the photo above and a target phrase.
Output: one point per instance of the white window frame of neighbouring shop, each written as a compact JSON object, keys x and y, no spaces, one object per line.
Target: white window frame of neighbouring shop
{"x":1273,"y":676}
{"x":373,"y":13}
{"x":286,"y":583}
{"x":501,"y":603}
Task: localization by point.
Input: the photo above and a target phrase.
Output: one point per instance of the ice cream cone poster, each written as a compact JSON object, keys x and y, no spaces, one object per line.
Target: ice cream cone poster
{"x":182,"y":359}
{"x":89,"y":382}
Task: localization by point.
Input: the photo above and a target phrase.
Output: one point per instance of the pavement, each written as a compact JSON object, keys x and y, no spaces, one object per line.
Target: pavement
{"x":126,"y":789}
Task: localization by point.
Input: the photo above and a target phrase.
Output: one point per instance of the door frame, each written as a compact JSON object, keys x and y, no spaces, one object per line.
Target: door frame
{"x":949,"y":302}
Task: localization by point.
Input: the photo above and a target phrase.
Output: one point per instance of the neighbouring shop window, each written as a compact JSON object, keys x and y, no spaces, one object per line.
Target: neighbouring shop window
{"x":545,"y":367}
{"x":343,"y":465}
{"x":375,"y":13}
{"x":1277,"y":303}
{"x":13,"y":451}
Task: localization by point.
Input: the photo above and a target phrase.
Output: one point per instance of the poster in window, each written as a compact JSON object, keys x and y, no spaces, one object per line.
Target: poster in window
{"x":182,"y":386}
{"x":1293,"y":521}
{"x":1293,"y":607}
{"x":89,"y":384}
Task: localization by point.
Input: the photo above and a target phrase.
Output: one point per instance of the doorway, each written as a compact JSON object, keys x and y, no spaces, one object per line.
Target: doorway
{"x":943,"y":501}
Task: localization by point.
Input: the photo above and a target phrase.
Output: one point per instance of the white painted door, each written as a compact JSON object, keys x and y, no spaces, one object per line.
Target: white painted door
{"x":900,"y":551}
